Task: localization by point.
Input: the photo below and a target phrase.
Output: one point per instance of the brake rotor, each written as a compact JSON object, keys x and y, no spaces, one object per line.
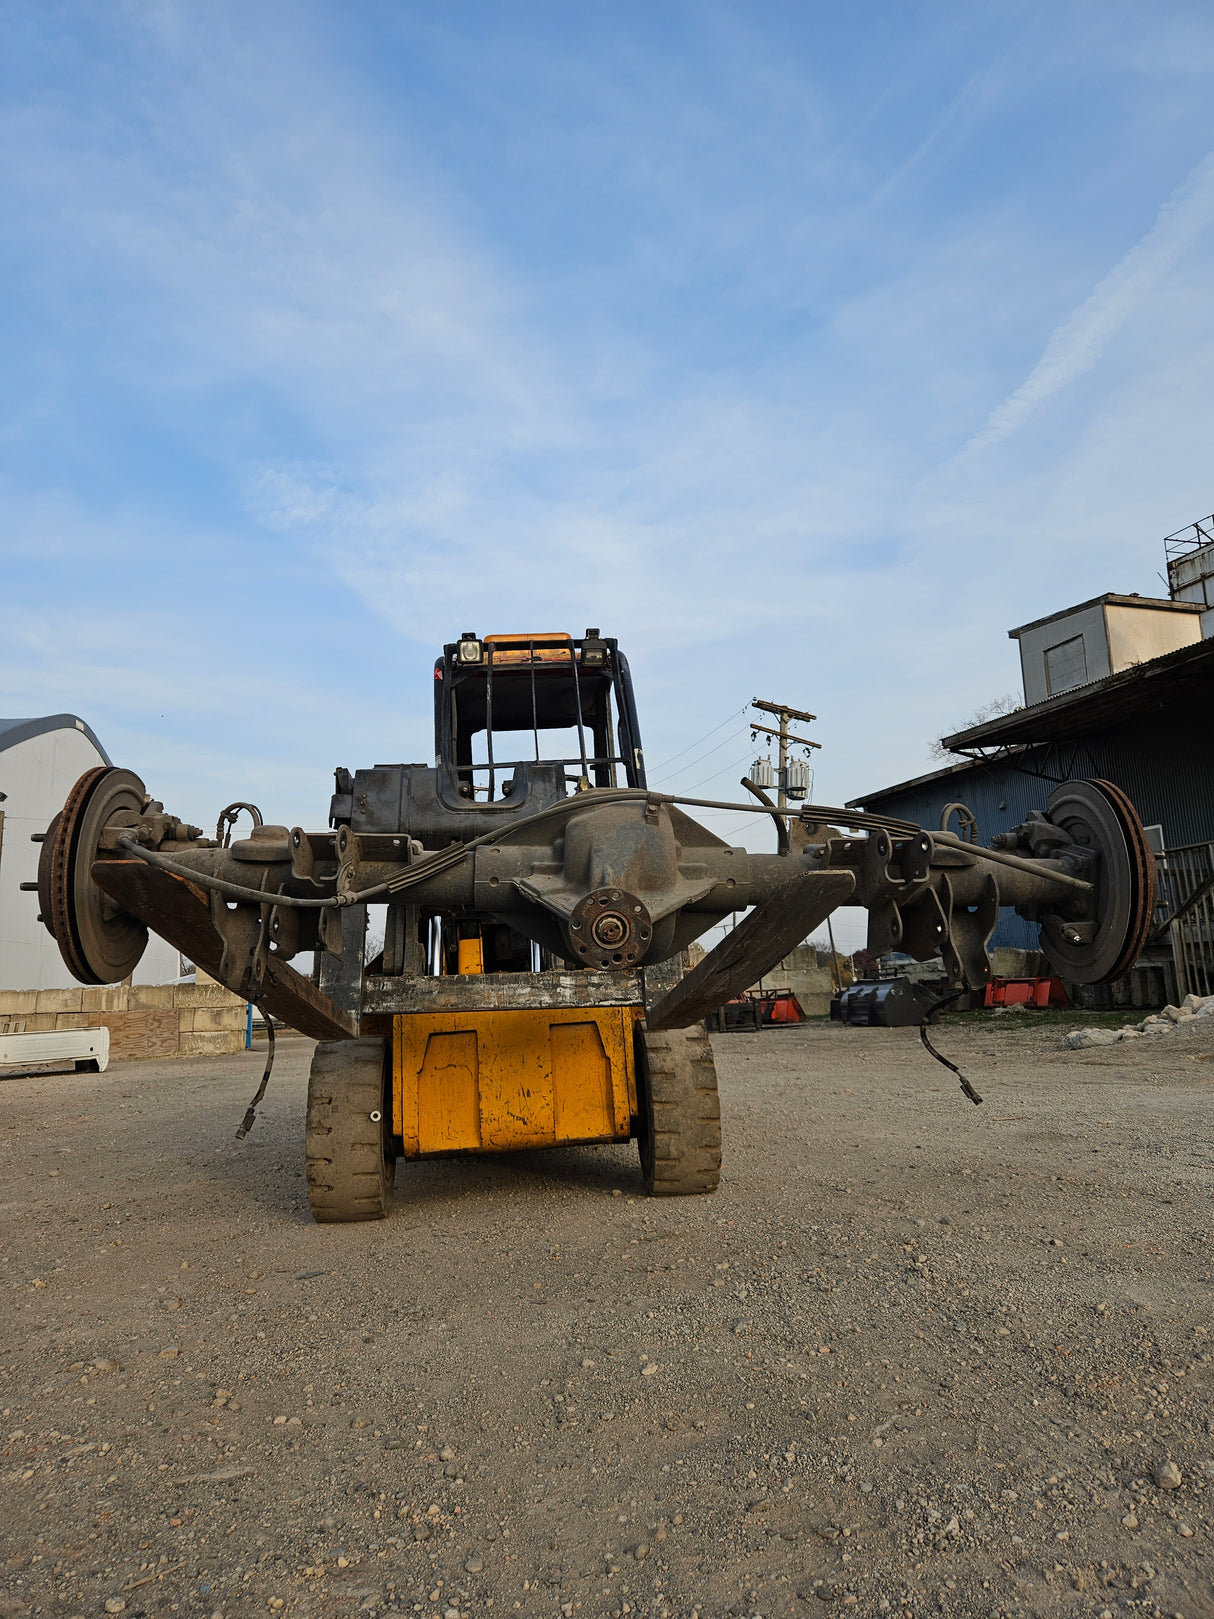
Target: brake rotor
{"x":1099,"y":816}
{"x":610,"y":928}
{"x":99,"y":943}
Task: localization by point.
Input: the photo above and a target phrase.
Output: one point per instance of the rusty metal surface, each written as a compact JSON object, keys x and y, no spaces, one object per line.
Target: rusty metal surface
{"x":58,"y":903}
{"x":181,"y":913}
{"x":46,"y":857}
{"x":554,"y":880}
{"x":99,"y":945}
{"x":755,"y":946}
{"x":1144,"y":877}
{"x":1097,"y":943}
{"x":932,"y":893}
{"x":610,"y":927}
{"x":649,"y":853}
{"x":970,"y":926}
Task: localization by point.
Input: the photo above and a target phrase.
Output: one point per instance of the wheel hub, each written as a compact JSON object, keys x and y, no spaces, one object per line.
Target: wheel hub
{"x":99,"y":943}
{"x":1098,"y":816}
{"x":610,"y":928}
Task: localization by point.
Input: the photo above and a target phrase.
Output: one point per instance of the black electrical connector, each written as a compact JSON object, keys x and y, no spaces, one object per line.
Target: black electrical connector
{"x":935,"y":1007}
{"x":247,"y":1122}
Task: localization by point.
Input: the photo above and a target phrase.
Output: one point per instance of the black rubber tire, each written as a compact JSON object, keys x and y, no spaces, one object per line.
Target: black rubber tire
{"x":679,"y":1122}
{"x":351,"y":1162}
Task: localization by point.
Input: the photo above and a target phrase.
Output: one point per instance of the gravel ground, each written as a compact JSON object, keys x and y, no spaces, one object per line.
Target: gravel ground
{"x":915,"y":1356}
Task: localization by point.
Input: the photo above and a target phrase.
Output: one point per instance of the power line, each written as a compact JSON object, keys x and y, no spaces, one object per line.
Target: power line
{"x":692,"y":763}
{"x":741,"y":764}
{"x":700,"y":739}
{"x":753,"y":821}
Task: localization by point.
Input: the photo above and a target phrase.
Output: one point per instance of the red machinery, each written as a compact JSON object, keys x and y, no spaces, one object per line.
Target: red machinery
{"x":1038,"y":992}
{"x":756,"y":1009}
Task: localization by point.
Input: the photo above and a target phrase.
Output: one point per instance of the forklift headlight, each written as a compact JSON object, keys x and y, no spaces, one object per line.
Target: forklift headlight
{"x":469,"y":649}
{"x":594,"y":651}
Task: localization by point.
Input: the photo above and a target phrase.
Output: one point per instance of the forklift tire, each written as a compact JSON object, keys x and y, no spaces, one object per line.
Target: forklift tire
{"x":679,"y":1127}
{"x":351,"y":1162}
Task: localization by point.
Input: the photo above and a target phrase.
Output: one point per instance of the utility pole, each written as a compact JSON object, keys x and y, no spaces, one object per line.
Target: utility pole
{"x":784,"y":714}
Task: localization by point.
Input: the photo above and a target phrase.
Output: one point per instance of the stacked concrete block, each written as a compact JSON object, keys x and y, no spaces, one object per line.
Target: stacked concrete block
{"x":212,"y":1020}
{"x":144,"y":1020}
{"x":808,"y":976}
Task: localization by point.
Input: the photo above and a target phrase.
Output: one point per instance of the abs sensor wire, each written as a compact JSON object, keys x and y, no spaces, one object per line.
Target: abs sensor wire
{"x":251,"y":1112}
{"x":945,"y":1000}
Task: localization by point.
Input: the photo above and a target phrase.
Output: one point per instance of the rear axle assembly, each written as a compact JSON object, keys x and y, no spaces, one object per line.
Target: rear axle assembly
{"x":502,"y":891}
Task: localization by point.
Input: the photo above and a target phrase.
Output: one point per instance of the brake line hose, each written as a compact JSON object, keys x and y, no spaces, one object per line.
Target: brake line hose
{"x":445,"y":859}
{"x":254,"y":896}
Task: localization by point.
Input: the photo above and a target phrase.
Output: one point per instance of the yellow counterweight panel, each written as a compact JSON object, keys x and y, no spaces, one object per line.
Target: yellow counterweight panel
{"x":497,"y":1081}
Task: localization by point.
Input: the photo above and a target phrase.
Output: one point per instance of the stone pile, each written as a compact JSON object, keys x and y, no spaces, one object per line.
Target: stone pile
{"x":1166,"y":1022}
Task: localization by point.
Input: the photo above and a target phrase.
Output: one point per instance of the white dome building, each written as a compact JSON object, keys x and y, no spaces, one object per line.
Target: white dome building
{"x":40,"y":762}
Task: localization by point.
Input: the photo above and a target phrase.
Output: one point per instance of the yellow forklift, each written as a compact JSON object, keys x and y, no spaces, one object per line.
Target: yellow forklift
{"x":499,"y":939}
{"x":491,"y":1037}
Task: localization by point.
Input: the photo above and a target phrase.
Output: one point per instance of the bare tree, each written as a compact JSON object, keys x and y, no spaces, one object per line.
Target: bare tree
{"x":1007,"y":704}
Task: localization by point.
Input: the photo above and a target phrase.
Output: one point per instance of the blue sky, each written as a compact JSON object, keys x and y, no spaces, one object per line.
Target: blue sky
{"x":805,"y":348}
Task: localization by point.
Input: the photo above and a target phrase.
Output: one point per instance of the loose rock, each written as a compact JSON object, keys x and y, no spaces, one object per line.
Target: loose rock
{"x":1080,"y":1039}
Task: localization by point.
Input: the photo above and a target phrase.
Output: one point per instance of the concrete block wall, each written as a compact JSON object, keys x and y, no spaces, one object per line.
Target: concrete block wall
{"x":809,"y":978}
{"x":144,"y":1020}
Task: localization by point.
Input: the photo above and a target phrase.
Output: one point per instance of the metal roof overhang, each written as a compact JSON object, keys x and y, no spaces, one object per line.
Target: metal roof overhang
{"x":1173,"y":681}
{"x":14,"y":731}
{"x":963,"y":767}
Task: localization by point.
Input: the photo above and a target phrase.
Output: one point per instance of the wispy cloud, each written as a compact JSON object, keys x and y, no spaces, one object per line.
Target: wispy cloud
{"x":1079,"y":342}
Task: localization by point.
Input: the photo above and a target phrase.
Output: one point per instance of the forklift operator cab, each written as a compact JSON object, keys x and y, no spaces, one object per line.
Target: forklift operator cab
{"x":510,"y":702}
